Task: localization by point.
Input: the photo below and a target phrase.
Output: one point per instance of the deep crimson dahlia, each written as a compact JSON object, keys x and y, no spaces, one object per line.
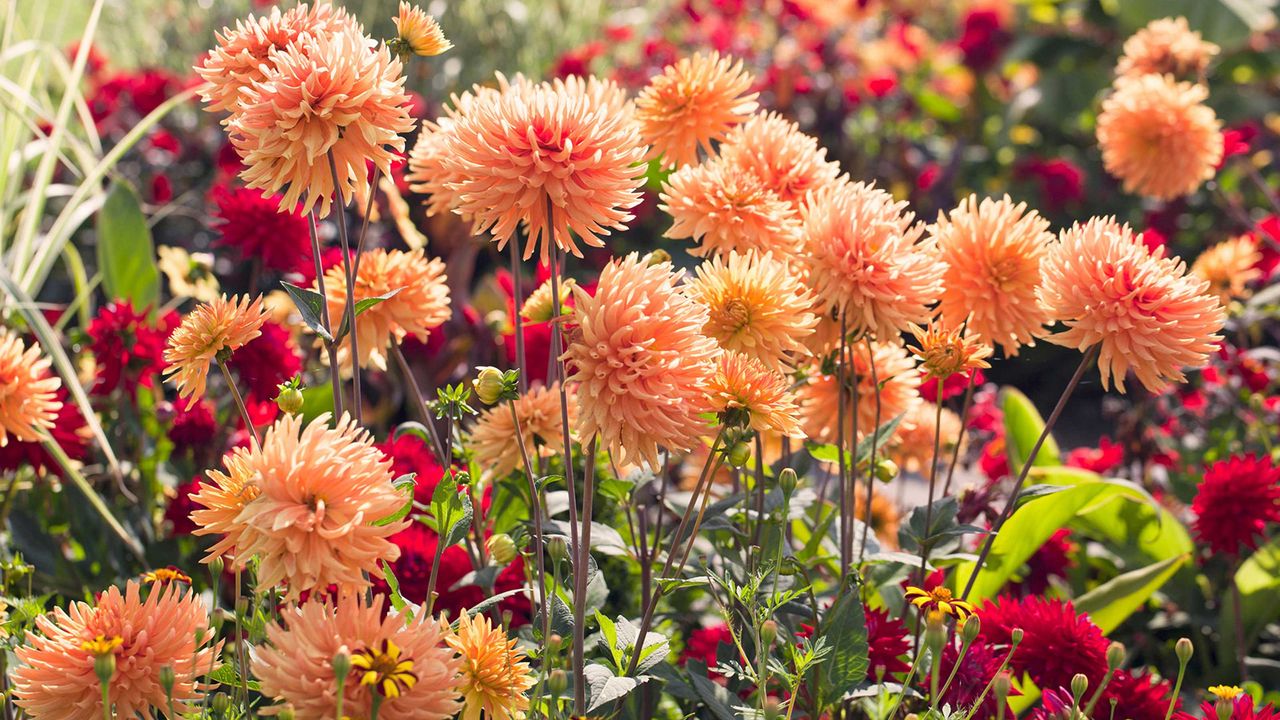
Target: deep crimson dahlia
{"x":1057,"y":642}
{"x":1235,"y":502}
{"x":127,"y":348}
{"x":704,"y":643}
{"x":251,"y":224}
{"x":1137,"y":697}
{"x":409,"y":454}
{"x":68,"y":431}
{"x":192,"y":427}
{"x":954,"y":385}
{"x":979,"y":666}
{"x":178,"y":512}
{"x":266,"y":361}
{"x":1102,"y":459}
{"x":887,"y":643}
{"x":1061,"y":181}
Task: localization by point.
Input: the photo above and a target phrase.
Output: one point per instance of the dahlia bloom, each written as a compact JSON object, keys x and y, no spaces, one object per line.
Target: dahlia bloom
{"x":724,"y":209}
{"x":1242,"y":708}
{"x":944,"y":351}
{"x":266,"y":361}
{"x":757,"y":394}
{"x":1166,"y":46}
{"x":528,"y":147}
{"x":245,"y":56}
{"x":899,"y":383}
{"x":789,"y":162}
{"x":1229,"y":267}
{"x":976,"y":670}
{"x":28,"y":391}
{"x":495,"y":676}
{"x":1142,"y":308}
{"x":540,"y":307}
{"x":320,"y":492}
{"x":1141,"y":697}
{"x":332,"y":96}
{"x":865,"y":260}
{"x":409,"y":454}
{"x":887,"y":644}
{"x":297,"y":666}
{"x":912,"y":447}
{"x":885,"y":518}
{"x":1158,"y":137}
{"x":1235,"y":502}
{"x":419,"y":32}
{"x":642,"y":364}
{"x":217,"y":507}
{"x":215,"y":328}
{"x":756,"y":305}
{"x":691,"y":104}
{"x":56,"y":679}
{"x":420,"y":306}
{"x":1056,"y":644}
{"x":69,"y":431}
{"x":259,"y":231}
{"x":496,"y":442}
{"x":126,"y":347}
{"x":190,"y":275}
{"x":992,"y":251}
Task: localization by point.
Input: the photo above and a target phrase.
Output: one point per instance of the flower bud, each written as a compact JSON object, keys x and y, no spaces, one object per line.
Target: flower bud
{"x":216,"y":566}
{"x":1184,"y":649}
{"x":886,"y":469}
{"x":768,"y":633}
{"x":739,"y":454}
{"x":501,"y":548}
{"x":558,"y":548}
{"x":1015,"y":636}
{"x":935,"y":630}
{"x":1002,"y":686}
{"x":341,"y":664}
{"x":167,"y":680}
{"x":488,"y":384}
{"x":1115,"y":656}
{"x":657,"y":257}
{"x":220,"y":703}
{"x":1079,"y":686}
{"x":289,"y":400}
{"x":787,"y":481}
{"x":554,"y":642}
{"x":104,"y":666}
{"x":970,"y":628}
{"x":557,"y":682}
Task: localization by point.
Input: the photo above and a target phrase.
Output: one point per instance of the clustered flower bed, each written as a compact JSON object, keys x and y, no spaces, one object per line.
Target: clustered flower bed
{"x":434,"y":425}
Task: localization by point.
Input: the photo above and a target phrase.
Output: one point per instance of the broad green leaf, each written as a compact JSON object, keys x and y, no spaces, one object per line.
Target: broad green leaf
{"x":126,"y":256}
{"x":880,"y":437}
{"x":605,"y":687}
{"x":459,"y":527}
{"x":493,"y":600}
{"x":1022,"y":427}
{"x":1259,"y":581}
{"x":311,"y":305}
{"x":316,"y":401}
{"x":845,"y":632}
{"x":227,"y":675}
{"x":361,"y":306}
{"x":1112,"y":602}
{"x":393,"y":586}
{"x":405,"y":485}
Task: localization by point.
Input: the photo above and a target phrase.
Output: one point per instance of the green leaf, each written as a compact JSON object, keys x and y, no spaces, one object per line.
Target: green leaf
{"x":393,"y":585}
{"x":1112,"y":602}
{"x":1022,"y":427}
{"x":716,"y":698}
{"x":880,"y":437}
{"x":605,"y":687}
{"x":845,"y":632}
{"x":316,"y":401}
{"x":227,"y":675}
{"x":405,"y":486}
{"x":361,"y":306}
{"x":310,"y":305}
{"x":1259,"y":581}
{"x":493,"y":600}
{"x":126,"y":256}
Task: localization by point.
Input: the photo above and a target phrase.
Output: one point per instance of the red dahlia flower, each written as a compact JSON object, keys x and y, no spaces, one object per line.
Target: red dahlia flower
{"x":1057,"y":643}
{"x":1235,"y":502}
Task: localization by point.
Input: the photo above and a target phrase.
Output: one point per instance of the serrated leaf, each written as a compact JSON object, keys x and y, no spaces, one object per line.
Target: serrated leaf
{"x":845,"y":632}
{"x":126,"y":255}
{"x":227,"y":675}
{"x":310,"y":305}
{"x":458,"y":529}
{"x":605,"y":687}
{"x":361,"y":306}
{"x":393,"y":586}
{"x":405,"y":486}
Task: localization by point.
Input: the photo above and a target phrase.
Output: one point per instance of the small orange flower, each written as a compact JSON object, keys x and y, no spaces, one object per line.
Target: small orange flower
{"x":786,"y":160}
{"x":691,"y":104}
{"x":207,"y":334}
{"x":495,"y":676}
{"x":220,"y":503}
{"x":1229,"y":267}
{"x":758,"y":395}
{"x":724,"y":209}
{"x":496,"y":442}
{"x":1166,"y":46}
{"x":165,"y":575}
{"x":419,"y":33}
{"x":29,"y":402}
{"x":1226,"y":692}
{"x":944,"y":351}
{"x":941,"y":600}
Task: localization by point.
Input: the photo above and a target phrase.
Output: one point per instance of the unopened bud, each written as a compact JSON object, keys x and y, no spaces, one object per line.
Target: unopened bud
{"x":167,"y":680}
{"x":501,"y":548}
{"x":657,"y":257}
{"x":1079,"y":686}
{"x":739,"y":454}
{"x":1015,"y":636}
{"x":488,"y":384}
{"x":970,"y":629}
{"x":768,"y":633}
{"x":554,"y":642}
{"x":1115,"y":656}
{"x":1184,"y":649}
{"x":104,"y":666}
{"x":1002,"y":686}
{"x":220,"y":703}
{"x":558,"y":548}
{"x":216,"y":566}
{"x":787,"y":481}
{"x":289,"y":400}
{"x":557,"y":682}
{"x":341,"y":664}
{"x":886,"y":469}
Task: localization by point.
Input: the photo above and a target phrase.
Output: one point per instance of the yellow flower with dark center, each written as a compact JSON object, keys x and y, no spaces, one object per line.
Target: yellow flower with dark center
{"x":102,"y":645}
{"x":941,"y":600}
{"x":1226,"y":692}
{"x":383,"y":670}
{"x":166,"y":575}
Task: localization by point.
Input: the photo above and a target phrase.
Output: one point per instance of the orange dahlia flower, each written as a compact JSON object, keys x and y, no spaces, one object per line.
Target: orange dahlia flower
{"x":756,"y":305}
{"x":245,"y":55}
{"x":757,"y":394}
{"x":297,"y":666}
{"x":220,"y":503}
{"x":724,"y":209}
{"x":1166,"y":46}
{"x":1158,"y":137}
{"x":865,"y":259}
{"x":334,"y":95}
{"x":28,"y":391}
{"x":912,"y":446}
{"x":55,"y":679}
{"x":419,"y":32}
{"x":420,"y":305}
{"x":691,"y":104}
{"x":517,"y":151}
{"x":1229,"y":267}
{"x":992,"y":252}
{"x":1143,"y":309}
{"x":944,"y":351}
{"x":495,"y":676}
{"x":885,"y":517}
{"x":496,"y":442}
{"x":773,"y":149}
{"x":642,"y":364}
{"x":899,"y":391}
{"x":212,"y":329}
{"x":321,"y":490}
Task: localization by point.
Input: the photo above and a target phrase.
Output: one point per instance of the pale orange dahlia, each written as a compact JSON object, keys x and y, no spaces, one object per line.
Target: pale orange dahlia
{"x":756,"y":305}
{"x":724,"y":209}
{"x":212,"y":329}
{"x":751,"y":393}
{"x":420,"y":305}
{"x":642,"y":364}
{"x":1165,"y":46}
{"x":220,"y":503}
{"x":912,"y":447}
{"x":992,"y":252}
{"x":1229,"y":267}
{"x":691,"y":104}
{"x":28,"y":391}
{"x":944,"y":351}
{"x":496,"y":442}
{"x":420,"y":32}
{"x":333,"y":95}
{"x":495,"y":676}
{"x":789,"y":162}
{"x":1158,"y":137}
{"x":296,"y":667}
{"x":606,"y":94}
{"x":245,"y":55}
{"x":1143,"y":309}
{"x":427,"y":173}
{"x":899,"y":391}
{"x":321,"y":490}
{"x":518,"y":150}
{"x":55,"y":679}
{"x":539,"y":306}
{"x":865,"y":259}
